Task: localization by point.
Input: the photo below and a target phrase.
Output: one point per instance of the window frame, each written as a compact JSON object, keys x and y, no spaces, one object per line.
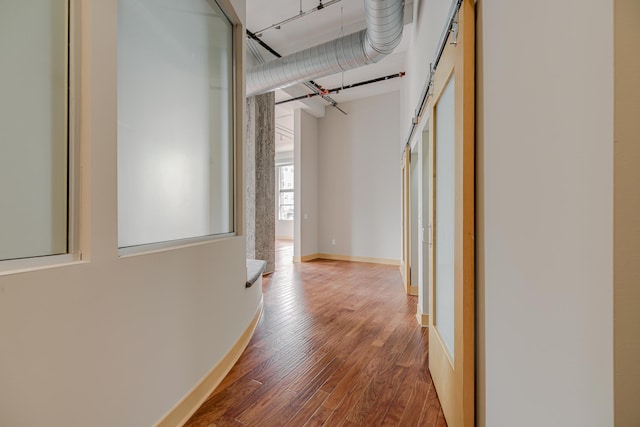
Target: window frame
{"x":73,"y":253}
{"x":281,"y":191}
{"x":237,"y":95}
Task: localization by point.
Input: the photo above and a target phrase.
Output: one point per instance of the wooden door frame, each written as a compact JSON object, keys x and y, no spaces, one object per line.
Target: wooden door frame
{"x":455,"y":380}
{"x":405,"y":262}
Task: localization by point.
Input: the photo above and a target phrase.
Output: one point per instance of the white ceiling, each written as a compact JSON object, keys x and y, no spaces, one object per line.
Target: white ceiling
{"x":343,"y":17}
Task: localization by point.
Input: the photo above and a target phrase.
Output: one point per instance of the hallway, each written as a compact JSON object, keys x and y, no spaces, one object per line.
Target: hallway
{"x":338,"y":344}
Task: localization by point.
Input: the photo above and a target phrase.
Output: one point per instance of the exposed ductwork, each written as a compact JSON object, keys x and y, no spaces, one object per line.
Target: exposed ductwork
{"x":385,"y":21}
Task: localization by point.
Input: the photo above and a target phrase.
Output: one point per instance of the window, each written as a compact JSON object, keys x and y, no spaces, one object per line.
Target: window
{"x":33,"y":128}
{"x":175,"y":121}
{"x":285,"y":192}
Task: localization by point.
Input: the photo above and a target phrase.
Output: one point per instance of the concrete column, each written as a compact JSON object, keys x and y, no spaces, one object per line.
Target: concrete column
{"x":250,"y":177}
{"x":260,"y":179}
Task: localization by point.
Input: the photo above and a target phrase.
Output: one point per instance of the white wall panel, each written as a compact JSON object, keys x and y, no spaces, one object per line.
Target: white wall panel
{"x":360,"y":181}
{"x":545,"y":224}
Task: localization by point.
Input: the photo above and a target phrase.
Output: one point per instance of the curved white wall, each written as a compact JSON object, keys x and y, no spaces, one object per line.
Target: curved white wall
{"x":115,"y":341}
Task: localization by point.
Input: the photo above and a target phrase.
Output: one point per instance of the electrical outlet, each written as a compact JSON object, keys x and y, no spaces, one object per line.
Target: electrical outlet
{"x":333,"y":241}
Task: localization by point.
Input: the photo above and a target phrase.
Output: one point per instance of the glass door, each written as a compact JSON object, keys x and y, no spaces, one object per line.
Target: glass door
{"x":451,"y":224}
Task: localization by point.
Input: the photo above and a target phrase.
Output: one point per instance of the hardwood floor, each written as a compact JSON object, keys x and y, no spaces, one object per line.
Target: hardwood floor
{"x":338,"y":345}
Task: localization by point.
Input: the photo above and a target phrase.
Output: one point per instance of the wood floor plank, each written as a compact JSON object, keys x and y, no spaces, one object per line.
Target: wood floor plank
{"x":218,"y":404}
{"x":263,"y":409}
{"x":382,"y":337}
{"x":350,"y":394}
{"x":386,"y":391}
{"x":226,"y":422}
{"x":413,"y":411}
{"x":307,"y":411}
{"x":386,"y":377}
{"x":353,"y":381}
{"x":400,"y":402}
{"x":319,"y":417}
{"x":441,"y":421}
{"x":412,"y":351}
{"x":301,"y":397}
{"x":431,"y":410}
{"x":351,"y":366}
{"x":338,"y":345}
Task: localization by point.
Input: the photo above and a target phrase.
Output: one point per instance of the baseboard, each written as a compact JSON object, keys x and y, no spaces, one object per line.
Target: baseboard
{"x":412,"y":290}
{"x":284,"y":237}
{"x":305,"y":258}
{"x":189,"y":404}
{"x":423,"y":319}
{"x":351,"y":258}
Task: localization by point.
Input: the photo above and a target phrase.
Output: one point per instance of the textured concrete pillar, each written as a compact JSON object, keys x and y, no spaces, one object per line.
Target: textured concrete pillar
{"x":250,"y":178}
{"x":260,"y":179}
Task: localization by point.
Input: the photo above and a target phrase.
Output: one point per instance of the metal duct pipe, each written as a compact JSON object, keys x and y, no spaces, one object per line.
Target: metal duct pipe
{"x":385,"y":21}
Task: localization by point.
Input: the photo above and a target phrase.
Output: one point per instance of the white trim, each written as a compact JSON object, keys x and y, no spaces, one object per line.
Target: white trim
{"x":25,"y":265}
{"x":151,"y":248}
{"x":350,"y":258}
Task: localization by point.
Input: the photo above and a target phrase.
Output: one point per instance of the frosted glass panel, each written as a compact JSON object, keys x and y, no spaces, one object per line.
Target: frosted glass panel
{"x":175,"y":133}
{"x":33,"y":128}
{"x":445,"y":216}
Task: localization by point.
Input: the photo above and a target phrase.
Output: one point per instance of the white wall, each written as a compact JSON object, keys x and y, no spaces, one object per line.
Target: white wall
{"x":306,"y":143}
{"x":284,"y":228}
{"x":545,"y":226}
{"x":429,"y":18}
{"x":360,"y":182}
{"x":544,"y":206}
{"x":115,"y":341}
